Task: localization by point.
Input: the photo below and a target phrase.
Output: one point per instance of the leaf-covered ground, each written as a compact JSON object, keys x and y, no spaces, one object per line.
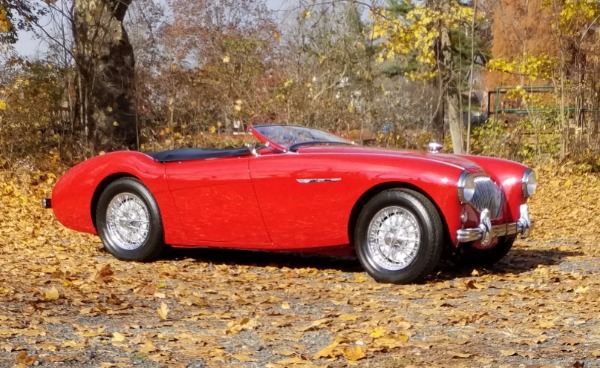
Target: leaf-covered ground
{"x":66,"y":302}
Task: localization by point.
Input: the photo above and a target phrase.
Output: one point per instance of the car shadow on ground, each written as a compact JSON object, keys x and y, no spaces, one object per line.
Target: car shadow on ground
{"x":517,"y":261}
{"x":263,"y":259}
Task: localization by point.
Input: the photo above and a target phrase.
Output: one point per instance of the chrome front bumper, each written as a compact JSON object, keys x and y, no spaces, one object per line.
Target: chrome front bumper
{"x":486,"y":232}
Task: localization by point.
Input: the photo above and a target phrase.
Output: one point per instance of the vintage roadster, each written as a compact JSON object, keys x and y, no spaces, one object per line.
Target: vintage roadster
{"x":300,"y":189}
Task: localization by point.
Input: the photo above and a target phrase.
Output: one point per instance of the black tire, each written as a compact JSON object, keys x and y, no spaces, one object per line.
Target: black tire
{"x":467,"y":256}
{"x":422,"y":231}
{"x":139,"y":236}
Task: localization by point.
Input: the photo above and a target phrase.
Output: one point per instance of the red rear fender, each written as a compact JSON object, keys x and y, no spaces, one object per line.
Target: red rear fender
{"x":76,"y":194}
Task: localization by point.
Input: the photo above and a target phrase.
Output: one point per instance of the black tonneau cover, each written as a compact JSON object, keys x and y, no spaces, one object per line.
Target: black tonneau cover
{"x":187,"y":154}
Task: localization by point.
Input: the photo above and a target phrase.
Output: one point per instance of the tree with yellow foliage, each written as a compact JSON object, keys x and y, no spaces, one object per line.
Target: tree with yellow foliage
{"x":551,"y":43}
{"x":423,"y":36}
{"x":17,"y":15}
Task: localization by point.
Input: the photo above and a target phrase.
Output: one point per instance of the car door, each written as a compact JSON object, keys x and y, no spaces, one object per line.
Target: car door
{"x":217,"y":203}
{"x":305,"y":199}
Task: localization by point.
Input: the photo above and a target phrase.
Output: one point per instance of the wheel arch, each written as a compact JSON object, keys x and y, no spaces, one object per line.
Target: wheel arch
{"x":101,"y":187}
{"x":372,"y":192}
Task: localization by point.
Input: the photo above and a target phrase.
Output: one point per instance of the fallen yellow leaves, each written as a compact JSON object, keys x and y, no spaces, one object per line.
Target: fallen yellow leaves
{"x":64,"y":301}
{"x":148,"y":347}
{"x":354,"y":353}
{"x":163,"y":311}
{"x":245,"y":323}
{"x":51,"y":294}
{"x":25,"y":359}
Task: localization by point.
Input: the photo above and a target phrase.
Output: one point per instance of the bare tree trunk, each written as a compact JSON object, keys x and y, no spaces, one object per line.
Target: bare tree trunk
{"x":105,"y":62}
{"x":471,"y":79}
{"x":564,"y":125}
{"x":452,"y":101}
{"x":454,"y":121}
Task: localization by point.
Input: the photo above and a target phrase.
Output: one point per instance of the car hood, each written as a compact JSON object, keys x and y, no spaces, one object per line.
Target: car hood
{"x":458,"y":161}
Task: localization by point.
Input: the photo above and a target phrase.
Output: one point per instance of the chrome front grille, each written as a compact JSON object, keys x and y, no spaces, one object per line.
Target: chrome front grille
{"x":487,"y":195}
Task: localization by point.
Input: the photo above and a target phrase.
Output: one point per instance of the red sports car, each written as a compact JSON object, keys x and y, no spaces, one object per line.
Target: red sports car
{"x":302,"y":189}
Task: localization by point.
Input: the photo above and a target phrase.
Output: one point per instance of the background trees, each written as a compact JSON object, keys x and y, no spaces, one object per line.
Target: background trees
{"x":105,"y":74}
{"x":148,"y":74}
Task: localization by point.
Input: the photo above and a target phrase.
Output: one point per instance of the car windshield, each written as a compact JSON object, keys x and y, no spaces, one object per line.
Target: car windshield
{"x":291,"y":137}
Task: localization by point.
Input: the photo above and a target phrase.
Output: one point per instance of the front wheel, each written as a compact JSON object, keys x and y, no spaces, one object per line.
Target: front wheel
{"x":399,"y":236}
{"x":128,"y":221}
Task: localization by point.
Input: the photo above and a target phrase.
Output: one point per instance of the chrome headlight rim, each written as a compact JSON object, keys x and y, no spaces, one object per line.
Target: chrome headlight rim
{"x":528,"y":183}
{"x":466,"y":187}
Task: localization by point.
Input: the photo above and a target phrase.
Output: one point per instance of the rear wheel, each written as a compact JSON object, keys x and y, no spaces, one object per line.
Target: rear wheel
{"x":128,"y":221}
{"x":399,"y":236}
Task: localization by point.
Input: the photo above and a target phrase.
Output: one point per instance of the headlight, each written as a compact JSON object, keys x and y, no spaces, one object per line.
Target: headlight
{"x":528,"y":183}
{"x":466,"y":187}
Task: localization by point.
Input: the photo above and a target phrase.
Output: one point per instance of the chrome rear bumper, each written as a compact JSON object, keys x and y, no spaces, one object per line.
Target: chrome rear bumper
{"x":486,"y":232}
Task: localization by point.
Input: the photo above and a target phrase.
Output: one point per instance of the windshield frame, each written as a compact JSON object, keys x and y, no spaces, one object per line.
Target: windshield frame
{"x":291,"y":137}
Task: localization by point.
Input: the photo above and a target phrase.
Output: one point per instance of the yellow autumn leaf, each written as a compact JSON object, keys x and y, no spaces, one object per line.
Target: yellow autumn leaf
{"x":148,"y":347}
{"x":163,"y":311}
{"x":391,"y":342}
{"x":118,"y":337}
{"x":582,"y":289}
{"x":328,"y":351}
{"x":457,"y":354}
{"x":226,"y":59}
{"x":245,"y":323}
{"x":244,"y":358}
{"x":72,"y":344}
{"x":92,"y":333}
{"x":5,"y":25}
{"x":360,"y":277}
{"x":378,"y":332}
{"x":347,"y":317}
{"x":354,"y":353}
{"x":2,"y":105}
{"x":51,"y":294}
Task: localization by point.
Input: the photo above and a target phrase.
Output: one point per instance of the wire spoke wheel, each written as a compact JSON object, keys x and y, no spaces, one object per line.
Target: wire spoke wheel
{"x":393,"y":238}
{"x":399,"y":236}
{"x":128,"y":221}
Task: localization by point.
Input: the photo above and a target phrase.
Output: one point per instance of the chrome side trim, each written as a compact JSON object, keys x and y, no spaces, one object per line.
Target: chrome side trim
{"x":318,"y":180}
{"x":486,"y":233}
